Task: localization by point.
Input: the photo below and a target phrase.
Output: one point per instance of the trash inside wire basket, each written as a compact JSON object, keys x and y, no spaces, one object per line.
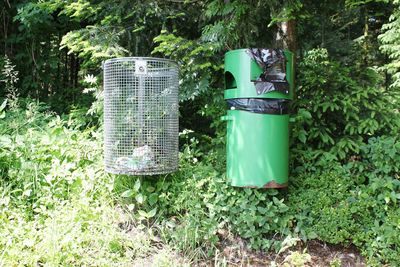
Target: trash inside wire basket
{"x":140,"y":116}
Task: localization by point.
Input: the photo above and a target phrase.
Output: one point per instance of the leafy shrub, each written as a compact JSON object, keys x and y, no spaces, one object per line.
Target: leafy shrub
{"x":197,"y":60}
{"x":375,"y":208}
{"x":320,"y":206}
{"x":380,"y":157}
{"x":196,"y":202}
{"x":375,"y":204}
{"x":55,"y":201}
{"x":354,"y":203}
{"x":340,"y":106}
{"x":9,"y":77}
{"x":52,"y":174}
{"x":326,"y":200}
{"x":389,"y":39}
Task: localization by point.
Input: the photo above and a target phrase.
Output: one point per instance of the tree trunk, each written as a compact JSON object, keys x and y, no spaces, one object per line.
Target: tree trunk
{"x":286,"y":36}
{"x":286,"y":39}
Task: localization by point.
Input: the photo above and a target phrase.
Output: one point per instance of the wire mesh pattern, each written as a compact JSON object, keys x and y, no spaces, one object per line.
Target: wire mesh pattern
{"x":140,"y":116}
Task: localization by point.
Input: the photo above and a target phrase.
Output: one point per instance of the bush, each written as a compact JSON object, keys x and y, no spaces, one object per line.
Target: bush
{"x":380,"y":157}
{"x":354,"y":203}
{"x":52,"y":174}
{"x":320,"y":206}
{"x":195,"y":203}
{"x":340,"y":107}
{"x":56,"y":201}
{"x":326,"y":200}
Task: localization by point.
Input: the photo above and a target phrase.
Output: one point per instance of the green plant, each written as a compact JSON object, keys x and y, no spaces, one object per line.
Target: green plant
{"x":297,"y":259}
{"x":389,"y":39}
{"x":10,"y":80}
{"x":380,"y":157}
{"x":335,"y":263}
{"x":197,"y":60}
{"x":56,"y":203}
{"x":339,"y":106}
{"x":194,"y":203}
{"x":326,"y":200}
{"x":356,"y":202}
{"x":375,"y":204}
{"x":320,"y":207}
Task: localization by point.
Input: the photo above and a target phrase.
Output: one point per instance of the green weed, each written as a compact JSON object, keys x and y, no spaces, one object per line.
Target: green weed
{"x":56,"y":203}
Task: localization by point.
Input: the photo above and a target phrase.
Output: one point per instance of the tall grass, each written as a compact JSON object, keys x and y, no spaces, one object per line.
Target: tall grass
{"x":57,"y":206}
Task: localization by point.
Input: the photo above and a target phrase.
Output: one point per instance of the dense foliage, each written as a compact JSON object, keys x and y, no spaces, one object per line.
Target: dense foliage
{"x":58,"y":207}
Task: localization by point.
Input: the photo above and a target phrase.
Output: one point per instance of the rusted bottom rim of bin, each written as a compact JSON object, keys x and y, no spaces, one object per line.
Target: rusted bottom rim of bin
{"x":271,"y":184}
{"x":274,"y":184}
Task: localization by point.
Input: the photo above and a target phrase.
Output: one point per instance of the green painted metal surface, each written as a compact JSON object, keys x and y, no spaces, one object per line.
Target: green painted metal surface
{"x":257,"y":144}
{"x":257,"y":149}
{"x":240,"y":69}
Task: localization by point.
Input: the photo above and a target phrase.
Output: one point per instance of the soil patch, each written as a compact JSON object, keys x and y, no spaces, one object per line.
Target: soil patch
{"x":234,"y":252}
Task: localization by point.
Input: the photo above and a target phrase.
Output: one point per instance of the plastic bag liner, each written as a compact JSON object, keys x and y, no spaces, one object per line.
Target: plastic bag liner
{"x":260,"y":105}
{"x":273,"y":63}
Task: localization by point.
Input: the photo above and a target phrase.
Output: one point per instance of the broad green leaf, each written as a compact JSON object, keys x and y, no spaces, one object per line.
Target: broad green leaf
{"x":139,"y":198}
{"x":127,"y":193}
{"x":152,"y":213}
{"x":137,"y":185}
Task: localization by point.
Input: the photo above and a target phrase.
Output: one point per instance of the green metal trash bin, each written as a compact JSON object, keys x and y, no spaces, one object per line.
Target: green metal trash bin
{"x":259,"y":86}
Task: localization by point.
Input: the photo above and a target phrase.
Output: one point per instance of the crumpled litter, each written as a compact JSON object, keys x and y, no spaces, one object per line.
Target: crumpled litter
{"x":141,"y":158}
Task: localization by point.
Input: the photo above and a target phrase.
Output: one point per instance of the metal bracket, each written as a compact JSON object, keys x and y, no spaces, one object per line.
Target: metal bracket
{"x":141,"y":67}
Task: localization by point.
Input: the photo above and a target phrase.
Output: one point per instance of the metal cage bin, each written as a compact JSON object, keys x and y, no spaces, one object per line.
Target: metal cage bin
{"x":140,"y":116}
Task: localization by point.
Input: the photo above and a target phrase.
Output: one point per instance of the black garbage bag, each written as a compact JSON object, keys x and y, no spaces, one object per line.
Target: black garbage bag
{"x":260,"y":105}
{"x":273,"y":63}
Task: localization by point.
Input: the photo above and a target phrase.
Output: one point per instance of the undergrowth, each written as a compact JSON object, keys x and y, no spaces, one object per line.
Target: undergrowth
{"x":57,"y":206}
{"x":352,"y":203}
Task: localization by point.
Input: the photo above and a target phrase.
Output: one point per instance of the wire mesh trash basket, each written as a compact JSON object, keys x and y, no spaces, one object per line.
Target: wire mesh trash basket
{"x":140,"y":116}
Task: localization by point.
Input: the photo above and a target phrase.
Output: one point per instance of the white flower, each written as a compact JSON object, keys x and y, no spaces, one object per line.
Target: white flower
{"x":90,"y":78}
